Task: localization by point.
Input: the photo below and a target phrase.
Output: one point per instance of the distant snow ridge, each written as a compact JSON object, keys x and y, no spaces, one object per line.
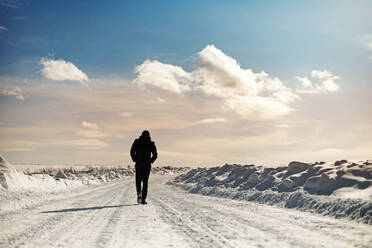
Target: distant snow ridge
{"x":340,"y":189}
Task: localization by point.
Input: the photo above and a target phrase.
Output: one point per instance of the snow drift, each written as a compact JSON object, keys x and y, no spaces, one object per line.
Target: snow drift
{"x":340,"y":189}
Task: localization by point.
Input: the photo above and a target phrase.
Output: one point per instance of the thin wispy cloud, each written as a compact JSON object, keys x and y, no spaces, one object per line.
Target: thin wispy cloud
{"x":366,"y":42}
{"x":10,"y":3}
{"x":91,"y":130}
{"x":90,"y":138}
{"x":61,"y":70}
{"x":2,"y":28}
{"x":87,"y":133}
{"x":326,"y":83}
{"x":12,"y":92}
{"x":212,"y":120}
{"x":161,"y":100}
{"x":88,"y":144}
{"x":19,"y":18}
{"x":89,"y":125}
{"x":282,"y":126}
{"x":126,"y":114}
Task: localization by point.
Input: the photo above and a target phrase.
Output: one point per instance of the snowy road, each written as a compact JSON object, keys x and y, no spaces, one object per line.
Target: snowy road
{"x":108,"y":216}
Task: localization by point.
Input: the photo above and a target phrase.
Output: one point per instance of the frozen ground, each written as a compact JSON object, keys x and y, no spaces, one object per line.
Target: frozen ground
{"x":107,"y":216}
{"x":99,"y":209}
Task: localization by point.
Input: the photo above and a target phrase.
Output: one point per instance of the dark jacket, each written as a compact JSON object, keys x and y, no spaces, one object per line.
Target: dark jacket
{"x":143,"y":151}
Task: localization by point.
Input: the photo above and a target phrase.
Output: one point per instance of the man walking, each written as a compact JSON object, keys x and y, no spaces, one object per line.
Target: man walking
{"x":143,"y":153}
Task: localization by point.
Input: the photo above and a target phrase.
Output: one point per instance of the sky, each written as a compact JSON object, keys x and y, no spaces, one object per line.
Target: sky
{"x":215,"y":82}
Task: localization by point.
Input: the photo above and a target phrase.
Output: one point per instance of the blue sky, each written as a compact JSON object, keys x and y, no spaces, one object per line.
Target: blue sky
{"x":111,"y":38}
{"x":104,"y":42}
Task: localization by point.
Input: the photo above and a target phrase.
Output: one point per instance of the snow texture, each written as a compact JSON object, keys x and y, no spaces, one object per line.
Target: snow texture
{"x":107,"y":215}
{"x":340,"y":189}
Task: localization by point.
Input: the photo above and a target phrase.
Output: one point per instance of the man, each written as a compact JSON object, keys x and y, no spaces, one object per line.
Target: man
{"x":143,"y":153}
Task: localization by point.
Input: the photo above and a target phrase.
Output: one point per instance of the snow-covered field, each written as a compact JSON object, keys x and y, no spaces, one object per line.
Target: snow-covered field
{"x":340,"y":189}
{"x":94,"y":210}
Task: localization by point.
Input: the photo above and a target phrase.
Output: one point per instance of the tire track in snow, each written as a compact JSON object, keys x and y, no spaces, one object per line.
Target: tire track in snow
{"x":263,"y":226}
{"x":88,"y":224}
{"x":198,"y":233}
{"x":50,"y":226}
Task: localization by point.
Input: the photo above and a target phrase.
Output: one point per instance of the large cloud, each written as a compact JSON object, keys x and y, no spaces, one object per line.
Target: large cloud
{"x":252,"y":95}
{"x":60,"y":70}
{"x":221,"y":75}
{"x":326,"y":83}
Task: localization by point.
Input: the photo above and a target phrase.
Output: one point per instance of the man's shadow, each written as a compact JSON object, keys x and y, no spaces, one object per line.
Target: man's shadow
{"x":85,"y":209}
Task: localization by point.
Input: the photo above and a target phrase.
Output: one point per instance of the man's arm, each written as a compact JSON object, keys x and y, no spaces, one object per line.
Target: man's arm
{"x":154,"y":153}
{"x":133,"y":151}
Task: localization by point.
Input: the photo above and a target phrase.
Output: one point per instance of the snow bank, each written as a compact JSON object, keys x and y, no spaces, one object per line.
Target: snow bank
{"x":18,"y":190}
{"x":340,"y":189}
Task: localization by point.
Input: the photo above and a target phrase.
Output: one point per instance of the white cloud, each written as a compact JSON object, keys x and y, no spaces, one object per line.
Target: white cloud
{"x":90,"y":137}
{"x":126,"y":114}
{"x":282,"y":126}
{"x":320,"y":74}
{"x":90,"y":130}
{"x":221,"y":75}
{"x":261,"y":108}
{"x":326,"y":83}
{"x":251,"y":95}
{"x":13,"y":91}
{"x":89,"y":144}
{"x":330,"y":85}
{"x":60,"y":70}
{"x":366,"y":42}
{"x":2,"y":28}
{"x":89,"y":125}
{"x":161,"y":100}
{"x":332,"y":150}
{"x":306,"y":83}
{"x":164,"y":76}
{"x":212,"y":120}
{"x":92,"y":133}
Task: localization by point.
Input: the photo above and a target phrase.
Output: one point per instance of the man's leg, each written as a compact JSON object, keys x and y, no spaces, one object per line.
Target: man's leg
{"x":138,"y":179}
{"x":146,"y":174}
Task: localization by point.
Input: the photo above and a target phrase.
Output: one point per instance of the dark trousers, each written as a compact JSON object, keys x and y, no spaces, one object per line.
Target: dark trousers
{"x":142,"y":176}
